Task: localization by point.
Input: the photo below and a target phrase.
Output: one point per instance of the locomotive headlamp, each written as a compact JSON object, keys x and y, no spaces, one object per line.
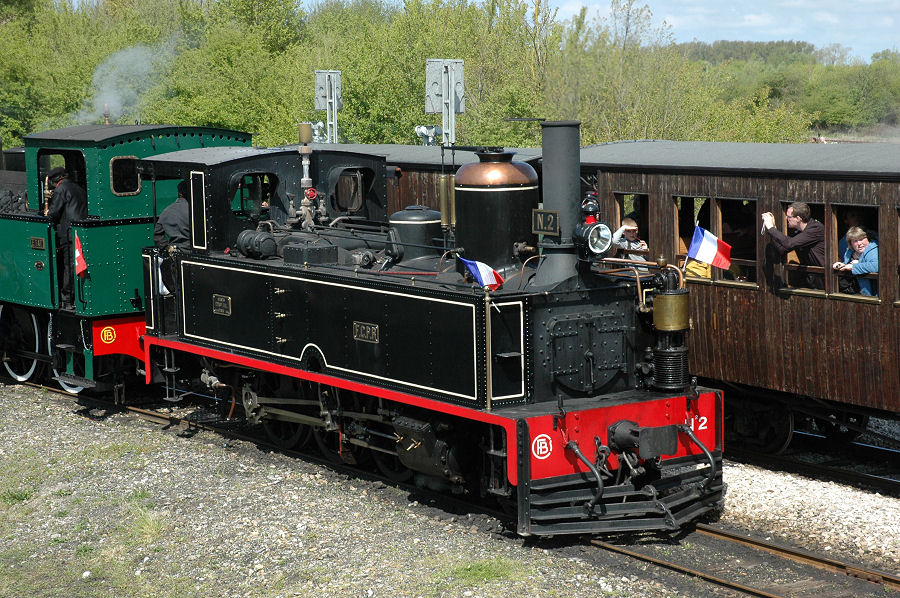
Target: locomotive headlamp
{"x":594,"y":237}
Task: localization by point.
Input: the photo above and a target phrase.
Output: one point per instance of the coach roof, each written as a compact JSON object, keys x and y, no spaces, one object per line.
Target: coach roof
{"x":839,"y":160}
{"x":424,"y":155}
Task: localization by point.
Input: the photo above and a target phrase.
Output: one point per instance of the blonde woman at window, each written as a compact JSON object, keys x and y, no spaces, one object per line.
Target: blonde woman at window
{"x":860,"y":258}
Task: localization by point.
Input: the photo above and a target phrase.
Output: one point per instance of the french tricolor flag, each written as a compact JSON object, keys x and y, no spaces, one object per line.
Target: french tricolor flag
{"x":707,"y":248}
{"x":483,"y":274}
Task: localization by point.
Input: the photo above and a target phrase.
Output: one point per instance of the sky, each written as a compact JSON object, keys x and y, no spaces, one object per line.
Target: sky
{"x":864,"y":26}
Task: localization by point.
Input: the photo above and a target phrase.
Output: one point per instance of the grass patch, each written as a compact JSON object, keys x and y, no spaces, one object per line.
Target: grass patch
{"x":145,"y":526}
{"x":138,"y":495}
{"x":484,"y":571}
{"x":115,"y":450}
{"x":15,"y":496}
{"x":82,"y":525}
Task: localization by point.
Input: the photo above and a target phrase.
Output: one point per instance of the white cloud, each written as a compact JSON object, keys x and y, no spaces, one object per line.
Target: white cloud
{"x":757,"y":20}
{"x":826,"y":17}
{"x":866,"y":26}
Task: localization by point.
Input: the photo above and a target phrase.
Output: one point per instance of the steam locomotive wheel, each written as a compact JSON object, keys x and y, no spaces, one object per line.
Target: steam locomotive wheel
{"x":19,"y":329}
{"x":287,"y":435}
{"x":391,"y":467}
{"x":77,"y":365}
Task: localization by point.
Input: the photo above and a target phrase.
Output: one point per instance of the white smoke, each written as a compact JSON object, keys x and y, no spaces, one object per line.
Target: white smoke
{"x":121,"y":81}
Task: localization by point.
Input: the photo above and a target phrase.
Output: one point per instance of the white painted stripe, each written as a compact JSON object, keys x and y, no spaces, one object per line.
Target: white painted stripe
{"x":153,"y":286}
{"x":521,"y":351}
{"x":485,"y":189}
{"x":191,"y":183}
{"x":470,"y":306}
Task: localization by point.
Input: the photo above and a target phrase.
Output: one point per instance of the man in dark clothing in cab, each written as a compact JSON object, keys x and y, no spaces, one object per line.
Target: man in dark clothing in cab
{"x":173,"y":227}
{"x":809,"y":242}
{"x":68,"y":204}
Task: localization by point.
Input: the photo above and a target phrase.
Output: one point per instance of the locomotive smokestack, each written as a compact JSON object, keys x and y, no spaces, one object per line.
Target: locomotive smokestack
{"x":562,"y":188}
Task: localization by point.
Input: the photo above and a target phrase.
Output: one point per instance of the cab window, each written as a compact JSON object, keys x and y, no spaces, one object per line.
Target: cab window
{"x":350,"y":191}
{"x":71,"y":160}
{"x":123,"y":176}
{"x":252,"y":195}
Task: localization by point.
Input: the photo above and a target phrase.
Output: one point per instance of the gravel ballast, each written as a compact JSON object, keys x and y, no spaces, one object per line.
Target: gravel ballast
{"x":120,"y":507}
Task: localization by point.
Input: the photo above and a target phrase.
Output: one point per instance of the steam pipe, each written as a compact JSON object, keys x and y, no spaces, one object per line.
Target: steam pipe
{"x":573,"y":446}
{"x":712,"y":462}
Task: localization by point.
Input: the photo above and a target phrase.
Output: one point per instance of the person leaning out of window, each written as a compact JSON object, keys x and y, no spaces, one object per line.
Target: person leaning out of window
{"x":860,"y":258}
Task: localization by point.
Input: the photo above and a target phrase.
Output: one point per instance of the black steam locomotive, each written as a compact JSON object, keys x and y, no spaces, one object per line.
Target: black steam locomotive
{"x":495,"y":348}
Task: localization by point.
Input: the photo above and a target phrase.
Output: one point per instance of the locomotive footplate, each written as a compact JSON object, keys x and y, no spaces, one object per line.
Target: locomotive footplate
{"x":565,"y":505}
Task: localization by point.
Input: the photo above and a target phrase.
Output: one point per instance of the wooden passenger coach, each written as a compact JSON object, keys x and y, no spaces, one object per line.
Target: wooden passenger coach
{"x":762,"y":323}
{"x":414,"y":171}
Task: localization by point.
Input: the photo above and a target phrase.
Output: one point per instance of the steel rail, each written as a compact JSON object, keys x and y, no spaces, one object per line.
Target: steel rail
{"x":802,"y":556}
{"x":732,"y":585}
{"x":831,"y":473}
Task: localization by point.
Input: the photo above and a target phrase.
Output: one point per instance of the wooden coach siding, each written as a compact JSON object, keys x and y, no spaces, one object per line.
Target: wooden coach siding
{"x":810,"y":345}
{"x":410,"y":187}
{"x":819,"y":346}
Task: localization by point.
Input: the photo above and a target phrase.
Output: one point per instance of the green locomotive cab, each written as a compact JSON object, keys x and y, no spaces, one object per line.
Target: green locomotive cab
{"x":92,"y":342}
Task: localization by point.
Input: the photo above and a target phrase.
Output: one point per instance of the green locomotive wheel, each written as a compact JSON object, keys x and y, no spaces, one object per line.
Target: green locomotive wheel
{"x":19,"y":330}
{"x":78,"y":365}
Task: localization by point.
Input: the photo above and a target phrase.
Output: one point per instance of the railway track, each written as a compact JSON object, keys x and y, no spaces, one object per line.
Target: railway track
{"x":237,"y":430}
{"x":814,"y":575}
{"x":852,"y":463}
{"x":812,"y":572}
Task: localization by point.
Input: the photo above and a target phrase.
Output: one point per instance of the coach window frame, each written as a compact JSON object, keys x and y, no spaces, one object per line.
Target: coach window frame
{"x":820,"y":211}
{"x":681,"y":257}
{"x":895,"y":212}
{"x":751,"y":229}
{"x":623,"y":199}
{"x":832,"y":233}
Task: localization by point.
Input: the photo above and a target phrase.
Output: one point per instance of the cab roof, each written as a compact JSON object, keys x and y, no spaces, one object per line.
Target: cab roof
{"x":108,"y":133}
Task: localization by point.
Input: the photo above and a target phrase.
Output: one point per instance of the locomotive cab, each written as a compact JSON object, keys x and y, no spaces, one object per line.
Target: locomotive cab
{"x":95,"y":341}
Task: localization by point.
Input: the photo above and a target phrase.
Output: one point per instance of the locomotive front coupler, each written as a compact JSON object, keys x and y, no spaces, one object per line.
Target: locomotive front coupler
{"x":650,"y":442}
